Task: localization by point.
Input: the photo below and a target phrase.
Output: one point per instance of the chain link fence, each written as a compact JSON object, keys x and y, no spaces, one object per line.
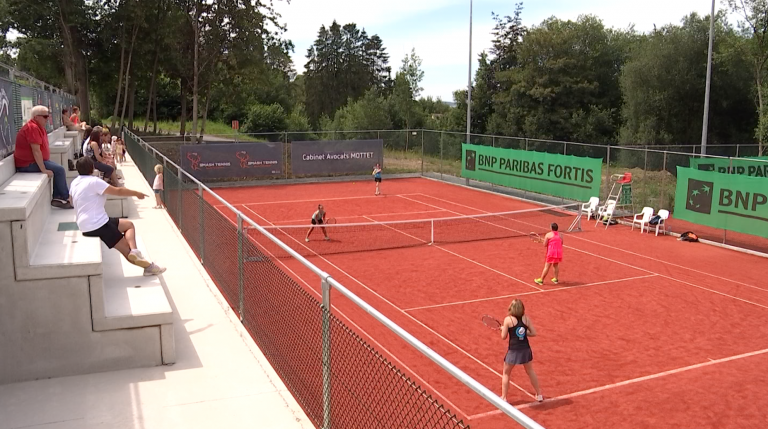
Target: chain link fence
{"x":339,"y":379}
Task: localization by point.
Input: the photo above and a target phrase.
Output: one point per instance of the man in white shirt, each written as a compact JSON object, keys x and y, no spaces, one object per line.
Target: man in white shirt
{"x":89,"y":194}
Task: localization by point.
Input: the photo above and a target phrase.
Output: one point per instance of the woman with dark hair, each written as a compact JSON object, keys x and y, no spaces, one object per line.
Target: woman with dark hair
{"x":93,"y":151}
{"x":553,"y":241}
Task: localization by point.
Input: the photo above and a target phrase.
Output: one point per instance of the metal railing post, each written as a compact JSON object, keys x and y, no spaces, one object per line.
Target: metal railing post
{"x":201,"y":214}
{"x":326,"y":334}
{"x":240,"y":258}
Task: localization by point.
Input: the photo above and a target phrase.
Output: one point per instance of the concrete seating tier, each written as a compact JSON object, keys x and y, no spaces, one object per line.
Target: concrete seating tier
{"x":68,"y":305}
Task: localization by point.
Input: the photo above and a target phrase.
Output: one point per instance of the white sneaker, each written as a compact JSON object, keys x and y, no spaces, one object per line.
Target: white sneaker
{"x":327,"y":238}
{"x":539,"y":398}
{"x":307,"y":240}
{"x":154,"y":270}
{"x":136,"y":258}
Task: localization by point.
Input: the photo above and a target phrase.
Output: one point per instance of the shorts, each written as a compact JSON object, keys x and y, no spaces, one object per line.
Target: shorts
{"x":157,"y":191}
{"x":377,"y":179}
{"x":553,"y":260}
{"x":109,"y":233}
{"x":317,"y":222}
{"x":518,"y":357}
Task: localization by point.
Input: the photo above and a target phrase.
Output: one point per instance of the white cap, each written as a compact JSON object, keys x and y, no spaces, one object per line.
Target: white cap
{"x":114,"y":138}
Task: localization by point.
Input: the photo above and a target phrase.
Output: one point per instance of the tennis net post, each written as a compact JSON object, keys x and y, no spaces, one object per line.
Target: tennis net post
{"x":326,"y":327}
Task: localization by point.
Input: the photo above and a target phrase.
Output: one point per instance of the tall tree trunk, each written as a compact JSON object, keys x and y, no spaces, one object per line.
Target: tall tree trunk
{"x":196,"y":68}
{"x":183,"y":120}
{"x":205,"y":112}
{"x":120,"y":76}
{"x":152,"y":86}
{"x":128,"y":72}
{"x":131,"y":104}
{"x":75,"y":70}
{"x":154,"y":113}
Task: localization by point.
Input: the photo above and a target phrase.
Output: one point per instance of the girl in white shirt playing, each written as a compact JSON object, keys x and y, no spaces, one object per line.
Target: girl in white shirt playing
{"x":89,"y":194}
{"x":157,"y":186}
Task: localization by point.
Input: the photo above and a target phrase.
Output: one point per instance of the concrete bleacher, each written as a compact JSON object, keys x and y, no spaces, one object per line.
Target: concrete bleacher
{"x":68,"y":305}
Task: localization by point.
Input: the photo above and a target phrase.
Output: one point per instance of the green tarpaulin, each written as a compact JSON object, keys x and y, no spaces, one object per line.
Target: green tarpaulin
{"x":720,"y":200}
{"x":572,"y":177}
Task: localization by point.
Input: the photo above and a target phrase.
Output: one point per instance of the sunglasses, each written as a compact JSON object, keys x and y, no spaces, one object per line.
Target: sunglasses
{"x":45,"y":116}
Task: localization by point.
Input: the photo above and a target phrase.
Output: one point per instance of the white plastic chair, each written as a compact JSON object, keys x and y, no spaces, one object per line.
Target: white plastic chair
{"x":642,"y":219}
{"x":590,"y":208}
{"x":663,"y":215}
{"x":606,"y":213}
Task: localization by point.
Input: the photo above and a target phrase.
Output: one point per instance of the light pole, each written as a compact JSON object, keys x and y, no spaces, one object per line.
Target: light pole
{"x":469,"y":82}
{"x":705,"y":125}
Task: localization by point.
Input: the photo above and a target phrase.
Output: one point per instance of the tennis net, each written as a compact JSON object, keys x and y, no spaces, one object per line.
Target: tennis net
{"x":372,"y":236}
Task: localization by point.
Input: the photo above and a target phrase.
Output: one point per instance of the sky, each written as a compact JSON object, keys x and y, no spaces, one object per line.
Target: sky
{"x":439,"y":29}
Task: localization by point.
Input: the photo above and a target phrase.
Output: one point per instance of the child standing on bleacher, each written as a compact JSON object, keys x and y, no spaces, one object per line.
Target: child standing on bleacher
{"x":157,"y":186}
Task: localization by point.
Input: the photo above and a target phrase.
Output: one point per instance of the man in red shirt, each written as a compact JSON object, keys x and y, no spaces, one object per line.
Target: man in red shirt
{"x":32,"y":155}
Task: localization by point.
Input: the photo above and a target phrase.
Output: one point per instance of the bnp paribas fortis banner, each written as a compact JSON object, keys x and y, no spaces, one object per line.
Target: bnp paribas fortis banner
{"x":752,"y":167}
{"x":721,"y":200}
{"x":573,"y":177}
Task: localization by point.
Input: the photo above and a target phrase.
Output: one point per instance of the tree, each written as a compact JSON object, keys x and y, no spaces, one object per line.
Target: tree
{"x":664,"y":81}
{"x":755,"y":29}
{"x":342,"y":65}
{"x":411,"y":71}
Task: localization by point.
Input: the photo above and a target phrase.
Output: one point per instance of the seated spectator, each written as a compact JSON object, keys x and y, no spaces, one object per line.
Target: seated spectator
{"x":68,"y":122}
{"x":94,"y":152}
{"x":89,"y":194}
{"x":86,"y":139}
{"x":33,"y":155}
{"x":75,"y":118}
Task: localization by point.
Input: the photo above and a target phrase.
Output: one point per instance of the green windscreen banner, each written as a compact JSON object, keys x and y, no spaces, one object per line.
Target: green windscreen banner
{"x":720,"y":200}
{"x":572,"y":177}
{"x":753,"y":167}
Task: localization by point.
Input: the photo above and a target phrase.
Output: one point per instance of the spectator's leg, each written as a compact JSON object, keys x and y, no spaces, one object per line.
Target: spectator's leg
{"x":60,"y":190}
{"x":129,"y":231}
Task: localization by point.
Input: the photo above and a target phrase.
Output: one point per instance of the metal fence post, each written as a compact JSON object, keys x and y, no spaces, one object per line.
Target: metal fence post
{"x":565,"y":148}
{"x":737,"y":150}
{"x":526,"y":143}
{"x":326,"y":326}
{"x":422,"y":152}
{"x":240,"y":263}
{"x":663,"y":175}
{"x":201,"y":213}
{"x":441,"y":154}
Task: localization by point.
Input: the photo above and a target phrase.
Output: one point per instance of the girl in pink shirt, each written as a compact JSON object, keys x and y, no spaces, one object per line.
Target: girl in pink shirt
{"x":157,"y":186}
{"x":554,"y":244}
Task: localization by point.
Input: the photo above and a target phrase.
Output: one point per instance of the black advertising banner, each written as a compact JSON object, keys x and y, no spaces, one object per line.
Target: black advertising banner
{"x":232,"y":160}
{"x":336,"y":156}
{"x":7,"y":126}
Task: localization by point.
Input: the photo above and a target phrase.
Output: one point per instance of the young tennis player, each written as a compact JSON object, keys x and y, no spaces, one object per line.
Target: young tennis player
{"x":318,"y":218}
{"x":377,"y":177}
{"x":553,"y":241}
{"x":518,"y":327}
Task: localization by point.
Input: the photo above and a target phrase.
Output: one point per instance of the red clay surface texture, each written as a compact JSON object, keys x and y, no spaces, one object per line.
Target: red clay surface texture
{"x":642,"y":331}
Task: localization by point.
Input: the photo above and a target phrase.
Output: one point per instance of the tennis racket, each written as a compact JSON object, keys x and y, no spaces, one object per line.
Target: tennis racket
{"x":535,"y":237}
{"x":330,"y":221}
{"x":491,"y":322}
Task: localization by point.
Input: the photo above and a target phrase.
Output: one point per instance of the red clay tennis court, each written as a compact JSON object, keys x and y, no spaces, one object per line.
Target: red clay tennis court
{"x":641,"y":331}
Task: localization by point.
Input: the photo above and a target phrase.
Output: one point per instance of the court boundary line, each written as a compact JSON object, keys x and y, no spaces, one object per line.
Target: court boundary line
{"x":356,"y":326}
{"x":307,"y":201}
{"x":710,"y":362}
{"x":420,"y":323}
{"x":530,"y":293}
{"x":455,"y":254}
{"x":595,"y":242}
{"x":612,"y":260}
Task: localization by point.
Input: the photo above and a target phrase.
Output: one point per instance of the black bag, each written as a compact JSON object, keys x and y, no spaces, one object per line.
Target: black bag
{"x":689,"y":236}
{"x":654,"y":220}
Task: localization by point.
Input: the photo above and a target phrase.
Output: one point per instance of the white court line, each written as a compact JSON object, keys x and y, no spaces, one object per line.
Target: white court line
{"x":455,"y":254}
{"x":618,"y":248}
{"x":528,"y":293}
{"x":399,"y":309}
{"x":631,"y":381}
{"x":361,"y":330}
{"x":613,"y":260}
{"x":352,"y":217}
{"x":320,"y":200}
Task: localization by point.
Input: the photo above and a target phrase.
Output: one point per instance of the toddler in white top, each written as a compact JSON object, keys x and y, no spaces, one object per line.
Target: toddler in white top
{"x":157,"y":186}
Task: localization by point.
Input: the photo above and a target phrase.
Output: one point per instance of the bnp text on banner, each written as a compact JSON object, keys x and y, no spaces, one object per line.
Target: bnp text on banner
{"x":566,"y":176}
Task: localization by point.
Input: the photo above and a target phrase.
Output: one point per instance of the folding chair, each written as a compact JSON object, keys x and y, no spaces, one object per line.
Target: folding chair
{"x":643,"y":218}
{"x":605,"y":213}
{"x":663,"y":215}
{"x":590,"y":208}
